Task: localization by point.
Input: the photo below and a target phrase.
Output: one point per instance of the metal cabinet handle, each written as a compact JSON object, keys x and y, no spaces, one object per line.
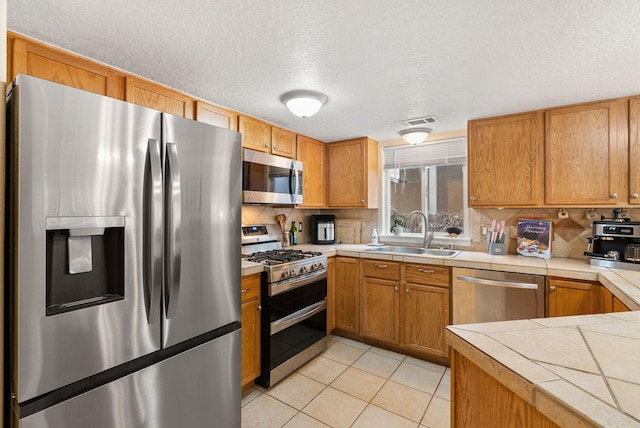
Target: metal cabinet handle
{"x":473,"y":198}
{"x":362,"y":201}
{"x":380,"y":266}
{"x":274,"y":147}
{"x":426,"y":271}
{"x":266,"y":145}
{"x":259,"y":307}
{"x":634,"y":195}
{"x":244,"y":290}
{"x":395,"y":289}
{"x":614,"y":195}
{"x":552,"y":288}
{"x":406,"y":290}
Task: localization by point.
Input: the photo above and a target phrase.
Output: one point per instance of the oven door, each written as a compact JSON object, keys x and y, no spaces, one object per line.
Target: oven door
{"x":270,"y":179}
{"x":294,"y":329}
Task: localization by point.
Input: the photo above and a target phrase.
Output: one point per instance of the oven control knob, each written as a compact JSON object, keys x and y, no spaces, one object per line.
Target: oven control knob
{"x":304,"y":269}
{"x":285,"y":274}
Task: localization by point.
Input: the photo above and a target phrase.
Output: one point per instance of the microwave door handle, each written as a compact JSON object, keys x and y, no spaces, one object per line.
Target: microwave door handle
{"x":293,"y":190}
{"x":173,"y":242}
{"x":152,"y":247}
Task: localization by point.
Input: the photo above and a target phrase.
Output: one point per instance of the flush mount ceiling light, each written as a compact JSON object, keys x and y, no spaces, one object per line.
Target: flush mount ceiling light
{"x":304,"y":103}
{"x":415,"y":135}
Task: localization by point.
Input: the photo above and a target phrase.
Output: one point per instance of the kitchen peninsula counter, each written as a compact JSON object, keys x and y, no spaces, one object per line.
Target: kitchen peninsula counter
{"x":576,"y":371}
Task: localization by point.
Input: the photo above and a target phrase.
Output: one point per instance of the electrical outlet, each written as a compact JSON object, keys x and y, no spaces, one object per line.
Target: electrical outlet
{"x":483,"y":229}
{"x":513,"y":232}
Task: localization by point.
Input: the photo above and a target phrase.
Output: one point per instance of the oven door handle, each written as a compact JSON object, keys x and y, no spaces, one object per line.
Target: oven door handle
{"x":293,"y":283}
{"x":499,"y":283}
{"x":298,"y":316}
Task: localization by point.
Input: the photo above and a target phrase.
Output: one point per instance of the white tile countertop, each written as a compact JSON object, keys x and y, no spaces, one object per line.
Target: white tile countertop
{"x":577,"y":371}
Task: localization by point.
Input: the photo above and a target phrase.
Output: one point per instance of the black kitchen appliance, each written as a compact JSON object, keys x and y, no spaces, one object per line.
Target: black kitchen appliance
{"x":615,"y":244}
{"x":323,"y":229}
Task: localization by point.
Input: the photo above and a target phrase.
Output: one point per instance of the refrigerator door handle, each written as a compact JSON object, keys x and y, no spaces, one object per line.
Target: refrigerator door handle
{"x":173,"y":244}
{"x":153,"y":245}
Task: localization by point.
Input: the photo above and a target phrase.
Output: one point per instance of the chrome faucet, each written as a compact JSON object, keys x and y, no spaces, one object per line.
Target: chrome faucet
{"x":428,"y":237}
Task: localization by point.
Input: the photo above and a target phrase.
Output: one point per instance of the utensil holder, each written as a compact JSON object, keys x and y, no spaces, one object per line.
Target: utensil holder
{"x":496,"y":248}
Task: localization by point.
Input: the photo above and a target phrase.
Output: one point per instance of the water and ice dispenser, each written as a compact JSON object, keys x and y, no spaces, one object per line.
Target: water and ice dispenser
{"x":85,"y":262}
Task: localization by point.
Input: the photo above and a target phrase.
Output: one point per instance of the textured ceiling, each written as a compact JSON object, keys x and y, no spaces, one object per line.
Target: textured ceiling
{"x":379,"y":62}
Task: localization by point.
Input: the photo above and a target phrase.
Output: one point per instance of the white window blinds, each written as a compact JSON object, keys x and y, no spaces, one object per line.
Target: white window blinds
{"x":433,"y":153}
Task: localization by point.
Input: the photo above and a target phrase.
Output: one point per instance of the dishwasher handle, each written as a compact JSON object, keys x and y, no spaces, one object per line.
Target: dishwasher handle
{"x":498,"y":283}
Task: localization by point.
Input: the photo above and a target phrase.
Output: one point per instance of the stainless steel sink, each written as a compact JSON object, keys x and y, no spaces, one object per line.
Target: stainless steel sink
{"x":415,"y":250}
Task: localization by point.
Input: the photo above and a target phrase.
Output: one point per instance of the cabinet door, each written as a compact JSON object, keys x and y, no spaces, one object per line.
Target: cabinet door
{"x":505,"y":158}
{"x":634,"y":151}
{"x":568,"y":297}
{"x":283,"y":143}
{"x":216,"y":116}
{"x":313,"y":154}
{"x":353,"y":173}
{"x":586,"y":157}
{"x":250,"y":293}
{"x":155,"y":96}
{"x":250,"y":341}
{"x":256,"y":135}
{"x":347,"y":287}
{"x":381,"y":310}
{"x":46,"y":62}
{"x":426,"y":314}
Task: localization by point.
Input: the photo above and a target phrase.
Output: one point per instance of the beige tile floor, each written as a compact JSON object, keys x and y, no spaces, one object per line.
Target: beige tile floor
{"x":352,"y":384}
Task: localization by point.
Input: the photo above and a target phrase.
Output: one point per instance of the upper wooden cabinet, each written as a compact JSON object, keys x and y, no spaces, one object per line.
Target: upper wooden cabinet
{"x":283,"y":143}
{"x":217,"y":116}
{"x":586,"y":154}
{"x":353,"y":173}
{"x":505,"y":160}
{"x":634,"y":151}
{"x":158,"y":97}
{"x":313,"y":155}
{"x":46,"y":62}
{"x":256,"y":134}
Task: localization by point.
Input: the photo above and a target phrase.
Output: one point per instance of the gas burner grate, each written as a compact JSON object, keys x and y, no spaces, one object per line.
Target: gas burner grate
{"x":275,"y":257}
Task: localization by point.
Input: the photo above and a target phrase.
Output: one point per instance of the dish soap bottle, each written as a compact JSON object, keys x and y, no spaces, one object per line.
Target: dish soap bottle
{"x":294,"y":233}
{"x":374,"y":236}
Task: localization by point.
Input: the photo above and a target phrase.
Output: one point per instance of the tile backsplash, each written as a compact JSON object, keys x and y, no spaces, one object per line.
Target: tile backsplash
{"x":570,"y":234}
{"x":260,"y":214}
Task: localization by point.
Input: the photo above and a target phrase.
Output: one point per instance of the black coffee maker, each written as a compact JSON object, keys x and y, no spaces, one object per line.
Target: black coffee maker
{"x":323,"y":229}
{"x":614,"y":243}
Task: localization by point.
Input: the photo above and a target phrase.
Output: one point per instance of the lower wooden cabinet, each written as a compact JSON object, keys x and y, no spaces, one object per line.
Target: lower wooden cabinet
{"x":381,"y":301}
{"x":425,"y":308}
{"x":572,"y":297}
{"x":403,"y":305}
{"x":250,"y":329}
{"x":611,"y":303}
{"x":479,"y":400}
{"x":347,"y":294}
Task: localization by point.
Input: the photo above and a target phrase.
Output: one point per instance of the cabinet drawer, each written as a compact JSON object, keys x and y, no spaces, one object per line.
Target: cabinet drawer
{"x":381,"y":269}
{"x":250,"y":287}
{"x":427,"y":274}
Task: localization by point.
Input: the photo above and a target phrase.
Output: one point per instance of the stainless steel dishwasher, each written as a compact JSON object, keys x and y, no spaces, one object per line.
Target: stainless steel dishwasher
{"x":485,"y":296}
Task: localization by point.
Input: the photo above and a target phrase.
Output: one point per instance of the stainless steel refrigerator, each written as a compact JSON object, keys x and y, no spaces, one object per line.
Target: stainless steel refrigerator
{"x":124,"y":264}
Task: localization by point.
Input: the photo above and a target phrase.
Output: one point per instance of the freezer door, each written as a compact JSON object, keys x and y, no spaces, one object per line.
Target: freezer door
{"x":198,"y":388}
{"x":202,"y":230}
{"x":79,"y":296}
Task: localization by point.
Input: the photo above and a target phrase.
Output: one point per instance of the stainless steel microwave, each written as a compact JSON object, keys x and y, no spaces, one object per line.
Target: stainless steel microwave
{"x":269,"y":179}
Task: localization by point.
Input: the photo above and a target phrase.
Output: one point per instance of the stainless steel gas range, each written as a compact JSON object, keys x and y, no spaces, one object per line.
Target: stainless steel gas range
{"x":294,"y":301}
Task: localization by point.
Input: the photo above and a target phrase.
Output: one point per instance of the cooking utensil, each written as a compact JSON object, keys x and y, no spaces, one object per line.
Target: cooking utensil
{"x":493,"y":230}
